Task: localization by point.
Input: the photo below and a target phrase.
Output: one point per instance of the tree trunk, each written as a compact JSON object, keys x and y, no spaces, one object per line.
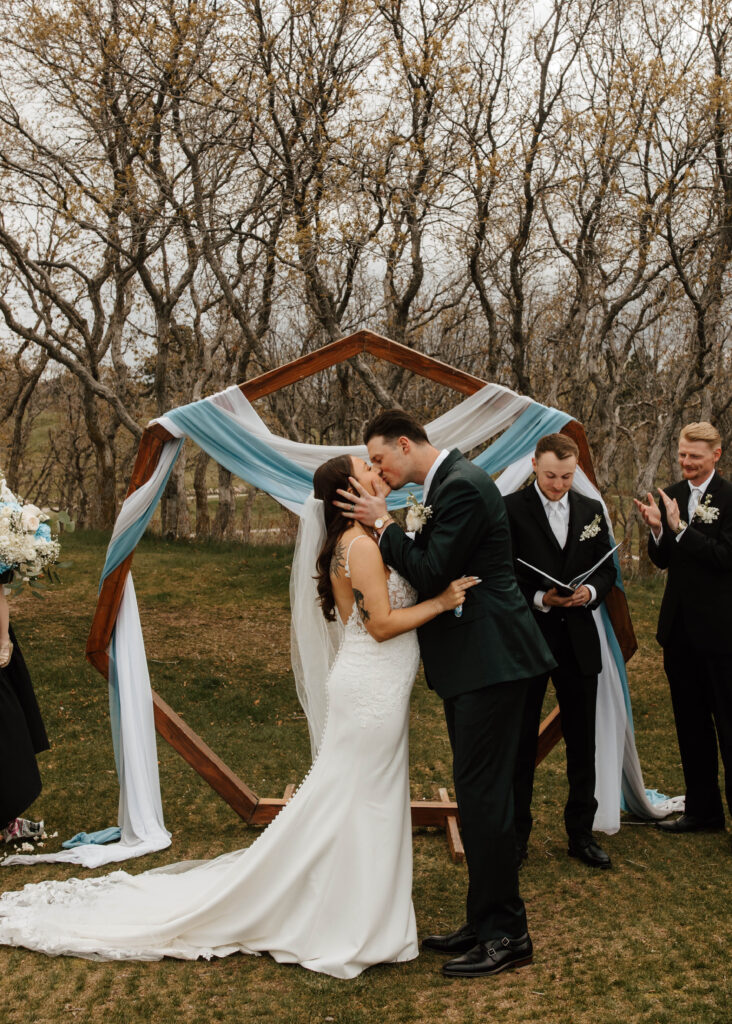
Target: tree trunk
{"x":246,"y":515}
{"x":104,"y":504}
{"x":176,"y":520}
{"x":227,"y":501}
{"x":203,"y":519}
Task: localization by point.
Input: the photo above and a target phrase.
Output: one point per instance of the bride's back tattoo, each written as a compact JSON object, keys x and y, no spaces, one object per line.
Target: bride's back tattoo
{"x":338,"y":559}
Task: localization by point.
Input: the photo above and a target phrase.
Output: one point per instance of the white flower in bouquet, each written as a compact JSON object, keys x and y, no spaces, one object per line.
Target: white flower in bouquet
{"x":31,"y":517}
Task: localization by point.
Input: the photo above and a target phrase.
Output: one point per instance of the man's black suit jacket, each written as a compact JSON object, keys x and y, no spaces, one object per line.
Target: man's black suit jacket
{"x":533,"y":540}
{"x":496,"y":638}
{"x":697,"y":600}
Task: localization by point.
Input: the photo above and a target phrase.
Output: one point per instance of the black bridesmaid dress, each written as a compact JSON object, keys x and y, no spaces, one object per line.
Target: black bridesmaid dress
{"x":22,"y":736}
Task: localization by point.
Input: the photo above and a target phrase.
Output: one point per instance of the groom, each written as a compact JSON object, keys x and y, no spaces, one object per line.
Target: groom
{"x":481,"y":663}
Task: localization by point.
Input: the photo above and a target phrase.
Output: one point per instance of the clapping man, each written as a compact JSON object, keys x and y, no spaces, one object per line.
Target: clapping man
{"x":564,"y":534}
{"x":691,"y":537}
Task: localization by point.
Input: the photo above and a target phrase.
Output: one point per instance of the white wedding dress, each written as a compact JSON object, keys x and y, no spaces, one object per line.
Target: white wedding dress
{"x":327,"y":885}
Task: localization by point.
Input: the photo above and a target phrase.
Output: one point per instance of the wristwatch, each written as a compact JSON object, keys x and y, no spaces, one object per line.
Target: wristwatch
{"x":381,"y":522}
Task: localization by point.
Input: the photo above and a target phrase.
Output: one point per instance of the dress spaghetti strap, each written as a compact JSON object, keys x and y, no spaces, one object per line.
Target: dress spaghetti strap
{"x":361,"y":536}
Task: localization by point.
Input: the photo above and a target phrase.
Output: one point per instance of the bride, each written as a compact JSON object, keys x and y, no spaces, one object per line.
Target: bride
{"x":328,"y":884}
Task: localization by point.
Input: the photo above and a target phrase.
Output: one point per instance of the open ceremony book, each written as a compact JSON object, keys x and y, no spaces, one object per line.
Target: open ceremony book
{"x":576,"y":581}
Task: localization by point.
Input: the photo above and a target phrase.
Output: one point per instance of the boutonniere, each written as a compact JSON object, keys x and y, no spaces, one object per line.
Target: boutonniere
{"x":592,"y":529}
{"x":706,"y":512}
{"x":417,"y":514}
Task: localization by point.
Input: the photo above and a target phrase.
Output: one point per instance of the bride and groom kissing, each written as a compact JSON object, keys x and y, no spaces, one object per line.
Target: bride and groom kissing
{"x":328,"y":884}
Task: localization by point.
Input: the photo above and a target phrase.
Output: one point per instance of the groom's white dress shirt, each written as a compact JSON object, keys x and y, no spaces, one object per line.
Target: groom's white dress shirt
{"x":431,"y":473}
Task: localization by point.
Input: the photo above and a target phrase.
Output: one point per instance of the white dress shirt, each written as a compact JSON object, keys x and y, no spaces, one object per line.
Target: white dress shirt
{"x":431,"y":473}
{"x":557,"y":512}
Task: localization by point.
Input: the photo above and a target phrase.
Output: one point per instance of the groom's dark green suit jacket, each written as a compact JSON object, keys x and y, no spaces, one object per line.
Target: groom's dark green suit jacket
{"x":496,"y":639}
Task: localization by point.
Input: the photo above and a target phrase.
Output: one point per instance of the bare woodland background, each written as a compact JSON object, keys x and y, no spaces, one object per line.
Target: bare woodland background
{"x":196,"y":192}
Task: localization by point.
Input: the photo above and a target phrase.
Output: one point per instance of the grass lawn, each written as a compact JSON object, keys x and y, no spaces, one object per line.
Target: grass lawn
{"x":648,"y":941}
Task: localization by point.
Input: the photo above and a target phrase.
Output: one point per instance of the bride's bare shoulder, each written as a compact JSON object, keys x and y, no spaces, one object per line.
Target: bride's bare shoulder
{"x":346,"y":549}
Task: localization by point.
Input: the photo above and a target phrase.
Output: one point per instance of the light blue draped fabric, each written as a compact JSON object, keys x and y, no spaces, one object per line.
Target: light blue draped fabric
{"x":252,"y":459}
{"x":103,"y":835}
{"x":521,"y":437}
{"x":516,"y":441}
{"x":120,"y":547}
{"x":619,"y":661}
{"x":243,"y":454}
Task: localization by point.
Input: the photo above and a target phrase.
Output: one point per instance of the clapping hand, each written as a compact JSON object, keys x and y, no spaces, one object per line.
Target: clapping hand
{"x":651,"y":513}
{"x":673,"y":516}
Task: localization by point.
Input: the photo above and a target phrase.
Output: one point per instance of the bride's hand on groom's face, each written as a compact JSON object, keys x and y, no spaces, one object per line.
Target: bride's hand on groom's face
{"x":361,"y":505}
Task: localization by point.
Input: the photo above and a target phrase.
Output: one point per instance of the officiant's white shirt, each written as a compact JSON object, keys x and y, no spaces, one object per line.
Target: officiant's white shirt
{"x":560,"y":509}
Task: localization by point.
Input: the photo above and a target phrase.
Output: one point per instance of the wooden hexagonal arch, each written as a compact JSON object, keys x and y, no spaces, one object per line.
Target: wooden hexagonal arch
{"x":261,"y":810}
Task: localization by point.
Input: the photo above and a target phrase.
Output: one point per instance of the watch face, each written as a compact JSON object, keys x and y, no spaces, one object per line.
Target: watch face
{"x":378,"y":523}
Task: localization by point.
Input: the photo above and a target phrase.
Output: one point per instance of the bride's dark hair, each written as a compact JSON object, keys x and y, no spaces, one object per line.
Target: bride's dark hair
{"x":326,"y":480}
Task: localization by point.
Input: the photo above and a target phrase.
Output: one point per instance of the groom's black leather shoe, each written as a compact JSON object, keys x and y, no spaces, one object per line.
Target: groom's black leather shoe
{"x":589,"y":853}
{"x":491,"y":958}
{"x":457,"y":942}
{"x":689,"y":823}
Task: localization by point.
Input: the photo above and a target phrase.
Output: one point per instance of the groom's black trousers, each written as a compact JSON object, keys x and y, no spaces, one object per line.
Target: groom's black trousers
{"x":484,"y":727}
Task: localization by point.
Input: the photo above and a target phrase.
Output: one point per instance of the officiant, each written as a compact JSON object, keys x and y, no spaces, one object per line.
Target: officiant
{"x":562,"y":534}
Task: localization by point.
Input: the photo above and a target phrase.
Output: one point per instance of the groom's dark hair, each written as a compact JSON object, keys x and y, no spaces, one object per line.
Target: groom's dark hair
{"x":393,"y":423}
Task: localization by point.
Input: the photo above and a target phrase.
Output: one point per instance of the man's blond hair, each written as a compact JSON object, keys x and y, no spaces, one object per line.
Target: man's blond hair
{"x":702,"y":431}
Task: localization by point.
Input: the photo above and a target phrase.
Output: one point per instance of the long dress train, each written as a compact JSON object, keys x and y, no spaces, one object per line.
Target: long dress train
{"x":327,"y":885}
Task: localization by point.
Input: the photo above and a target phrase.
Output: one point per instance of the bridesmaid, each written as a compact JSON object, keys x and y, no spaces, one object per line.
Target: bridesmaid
{"x":22,"y":734}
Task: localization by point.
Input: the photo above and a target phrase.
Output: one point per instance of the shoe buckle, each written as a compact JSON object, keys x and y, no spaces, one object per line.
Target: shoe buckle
{"x":505,"y":942}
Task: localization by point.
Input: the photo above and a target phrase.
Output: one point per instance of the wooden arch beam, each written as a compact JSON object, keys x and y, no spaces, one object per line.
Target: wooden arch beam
{"x":190,"y":746}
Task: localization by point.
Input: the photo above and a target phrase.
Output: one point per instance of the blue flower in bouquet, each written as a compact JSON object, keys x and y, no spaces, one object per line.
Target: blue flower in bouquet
{"x":43,"y":531}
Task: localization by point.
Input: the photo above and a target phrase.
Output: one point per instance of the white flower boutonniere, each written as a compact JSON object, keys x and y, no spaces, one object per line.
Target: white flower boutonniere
{"x":592,"y":529}
{"x":417,"y":514}
{"x":705,"y":512}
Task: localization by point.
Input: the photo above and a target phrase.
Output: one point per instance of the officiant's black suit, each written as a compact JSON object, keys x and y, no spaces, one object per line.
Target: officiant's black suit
{"x":572,"y":638}
{"x":695,"y":631}
{"x":480,"y":664}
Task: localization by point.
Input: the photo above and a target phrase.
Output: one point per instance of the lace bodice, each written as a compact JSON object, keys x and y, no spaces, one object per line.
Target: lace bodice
{"x":376,"y":677}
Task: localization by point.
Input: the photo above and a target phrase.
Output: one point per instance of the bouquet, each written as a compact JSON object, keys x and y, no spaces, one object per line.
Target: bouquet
{"x":27,"y":546}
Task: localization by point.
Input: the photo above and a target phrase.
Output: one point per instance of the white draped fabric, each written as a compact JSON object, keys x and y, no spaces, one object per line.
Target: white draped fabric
{"x":471,"y":423}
